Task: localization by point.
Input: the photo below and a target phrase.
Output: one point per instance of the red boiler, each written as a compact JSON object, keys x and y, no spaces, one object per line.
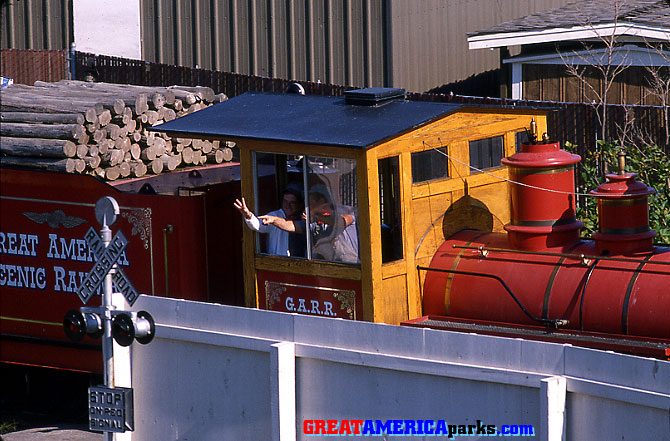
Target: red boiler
{"x":541,"y":273}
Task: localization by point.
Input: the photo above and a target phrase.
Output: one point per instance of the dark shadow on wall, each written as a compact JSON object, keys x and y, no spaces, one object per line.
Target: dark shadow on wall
{"x":467,"y":213}
{"x":484,"y":84}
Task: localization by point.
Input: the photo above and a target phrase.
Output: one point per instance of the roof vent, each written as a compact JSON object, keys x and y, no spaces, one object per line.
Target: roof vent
{"x":373,"y":96}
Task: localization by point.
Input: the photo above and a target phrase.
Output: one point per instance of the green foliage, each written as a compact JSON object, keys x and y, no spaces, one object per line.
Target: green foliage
{"x":8,"y":427}
{"x":653,"y":168}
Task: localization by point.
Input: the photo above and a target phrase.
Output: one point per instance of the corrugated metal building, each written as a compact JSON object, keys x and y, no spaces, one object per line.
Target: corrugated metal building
{"x":417,"y":45}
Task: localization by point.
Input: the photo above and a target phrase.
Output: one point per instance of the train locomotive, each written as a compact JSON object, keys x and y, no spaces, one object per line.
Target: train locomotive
{"x":447,"y":237}
{"x":607,"y":290}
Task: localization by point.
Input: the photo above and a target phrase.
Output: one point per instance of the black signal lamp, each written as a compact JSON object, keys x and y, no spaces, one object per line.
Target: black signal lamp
{"x":76,"y":324}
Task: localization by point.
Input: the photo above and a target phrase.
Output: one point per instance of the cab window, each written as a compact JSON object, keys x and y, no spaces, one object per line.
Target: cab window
{"x":318,"y":195}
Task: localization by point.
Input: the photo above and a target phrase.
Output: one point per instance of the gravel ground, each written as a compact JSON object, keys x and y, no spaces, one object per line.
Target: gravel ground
{"x":62,"y":432}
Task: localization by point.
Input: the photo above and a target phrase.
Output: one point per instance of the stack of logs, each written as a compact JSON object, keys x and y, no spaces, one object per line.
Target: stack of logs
{"x":101,"y":128}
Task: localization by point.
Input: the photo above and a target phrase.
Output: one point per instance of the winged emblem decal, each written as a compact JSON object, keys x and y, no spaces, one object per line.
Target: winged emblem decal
{"x":55,"y":219}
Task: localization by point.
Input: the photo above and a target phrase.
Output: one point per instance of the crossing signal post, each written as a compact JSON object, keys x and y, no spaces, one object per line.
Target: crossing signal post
{"x":107,"y":322}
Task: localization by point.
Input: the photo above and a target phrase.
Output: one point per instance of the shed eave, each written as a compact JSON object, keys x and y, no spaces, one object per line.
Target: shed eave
{"x":502,"y":39}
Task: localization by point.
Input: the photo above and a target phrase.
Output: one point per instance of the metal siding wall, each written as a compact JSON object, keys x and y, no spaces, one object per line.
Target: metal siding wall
{"x":429,"y":38}
{"x":333,"y":41}
{"x":36,"y":24}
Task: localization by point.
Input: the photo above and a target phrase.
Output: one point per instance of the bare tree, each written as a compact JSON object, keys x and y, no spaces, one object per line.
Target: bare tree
{"x":605,"y":59}
{"x":659,"y":84}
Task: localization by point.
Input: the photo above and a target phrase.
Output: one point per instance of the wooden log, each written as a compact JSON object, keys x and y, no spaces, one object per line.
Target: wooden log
{"x":131,"y":126}
{"x":137,"y":168}
{"x":220,"y":97}
{"x":157,"y":100}
{"x":82,"y":151}
{"x":184,"y":96}
{"x":136,"y":136}
{"x":135,"y":151}
{"x":37,"y":147}
{"x":170,"y":162}
{"x":92,"y":127}
{"x":215,"y":157}
{"x":60,"y":165}
{"x":125,"y":92}
{"x":204,"y":93}
{"x":50,"y":104}
{"x":185,"y":141}
{"x":42,"y":118}
{"x":112,"y":173}
{"x":152,"y":117}
{"x":79,"y":165}
{"x":206,"y":147}
{"x":194,"y":107}
{"x":92,"y":161}
{"x":105,"y":117}
{"x":93,"y":150}
{"x":168,"y":147}
{"x":178,"y":105}
{"x":155,"y":166}
{"x":124,"y":169}
{"x":99,"y":172}
{"x":84,"y":139}
{"x":148,"y":154}
{"x":123,"y":144}
{"x":89,"y":113}
{"x":105,"y":145}
{"x":55,"y":131}
{"x":122,"y":120}
{"x":227,"y":154}
{"x":148,"y":139}
{"x":112,"y":157}
{"x":113,"y":131}
{"x":99,"y":135}
{"x":159,"y":145}
{"x":187,"y":155}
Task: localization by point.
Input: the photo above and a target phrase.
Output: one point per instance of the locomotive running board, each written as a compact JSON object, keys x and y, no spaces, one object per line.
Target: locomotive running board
{"x":654,"y":347}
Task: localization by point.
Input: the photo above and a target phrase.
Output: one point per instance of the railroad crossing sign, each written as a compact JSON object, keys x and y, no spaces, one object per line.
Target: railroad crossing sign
{"x":120,"y":279}
{"x":107,"y":212}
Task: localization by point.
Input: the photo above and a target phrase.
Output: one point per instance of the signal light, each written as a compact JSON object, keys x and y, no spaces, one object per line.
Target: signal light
{"x":77,"y":324}
{"x":127,"y":327}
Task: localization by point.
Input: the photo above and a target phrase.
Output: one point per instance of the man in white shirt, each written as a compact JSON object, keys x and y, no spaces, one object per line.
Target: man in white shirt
{"x":279,"y":241}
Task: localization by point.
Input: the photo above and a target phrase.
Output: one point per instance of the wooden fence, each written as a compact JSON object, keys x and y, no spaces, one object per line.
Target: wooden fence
{"x":27,"y":66}
{"x":572,"y":122}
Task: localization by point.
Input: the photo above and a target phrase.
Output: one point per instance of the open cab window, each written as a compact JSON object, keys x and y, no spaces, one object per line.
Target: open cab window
{"x":318,"y":197}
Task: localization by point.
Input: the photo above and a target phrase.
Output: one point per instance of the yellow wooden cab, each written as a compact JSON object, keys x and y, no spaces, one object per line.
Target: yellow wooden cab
{"x":395,"y":176}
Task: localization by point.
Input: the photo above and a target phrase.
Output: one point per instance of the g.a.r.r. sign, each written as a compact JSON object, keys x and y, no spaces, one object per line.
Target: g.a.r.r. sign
{"x":312,"y":295}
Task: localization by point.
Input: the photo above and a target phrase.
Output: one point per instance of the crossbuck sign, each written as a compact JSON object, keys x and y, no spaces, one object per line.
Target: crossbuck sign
{"x":105,"y":260}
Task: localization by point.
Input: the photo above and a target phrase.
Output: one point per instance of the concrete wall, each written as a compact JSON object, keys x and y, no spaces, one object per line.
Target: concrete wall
{"x":225,"y":373}
{"x":108,"y":27}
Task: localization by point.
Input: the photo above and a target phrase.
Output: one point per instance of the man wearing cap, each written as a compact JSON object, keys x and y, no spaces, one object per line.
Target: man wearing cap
{"x":279,"y":242}
{"x":333,"y":228}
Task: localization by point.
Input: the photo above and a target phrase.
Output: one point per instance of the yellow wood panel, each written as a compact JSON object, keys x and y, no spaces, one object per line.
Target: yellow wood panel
{"x":248,"y":248}
{"x":307,"y":267}
{"x":463,"y":126}
{"x":369,"y":228}
{"x":409,"y":241}
{"x":492,"y":175}
{"x":299,"y":149}
{"x":496,"y":197}
{"x":428,"y":220}
{"x":391,"y":308}
{"x":395,"y":268}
